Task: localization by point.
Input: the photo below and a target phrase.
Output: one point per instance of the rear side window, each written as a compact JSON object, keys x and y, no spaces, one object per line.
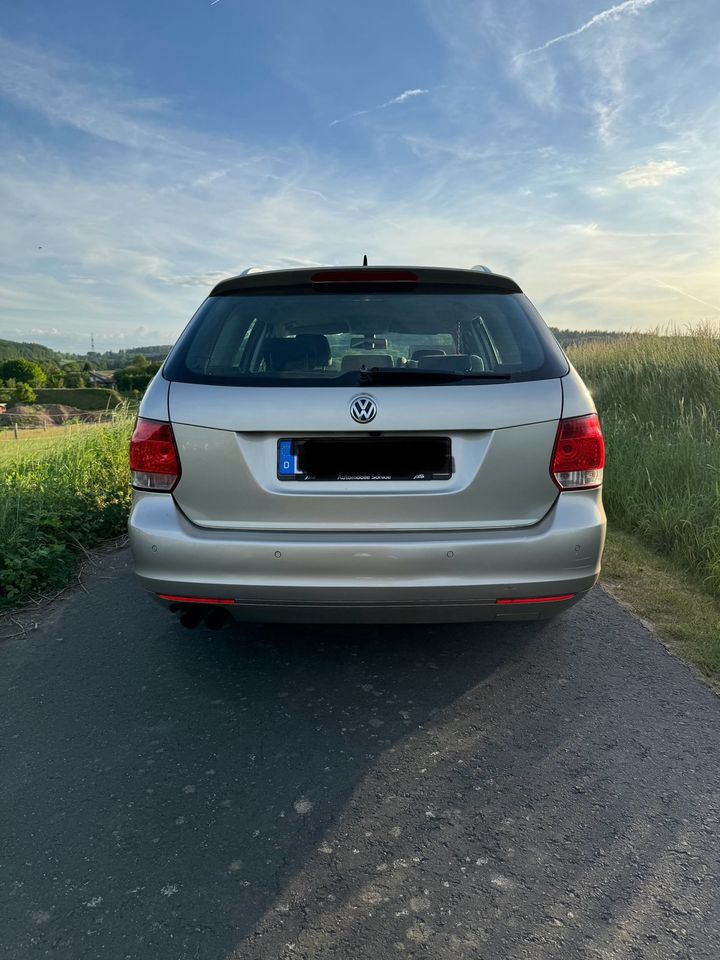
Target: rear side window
{"x":304,"y":337}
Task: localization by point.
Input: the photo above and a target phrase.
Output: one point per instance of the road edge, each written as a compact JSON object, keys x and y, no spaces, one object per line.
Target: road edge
{"x":667,"y":601}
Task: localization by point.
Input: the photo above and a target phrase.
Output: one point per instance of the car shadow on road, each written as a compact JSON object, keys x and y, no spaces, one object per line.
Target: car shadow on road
{"x":398,"y":776}
{"x":305,"y":720}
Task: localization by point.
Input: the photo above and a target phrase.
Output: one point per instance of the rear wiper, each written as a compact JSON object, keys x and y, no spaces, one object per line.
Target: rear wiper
{"x":390,"y":375}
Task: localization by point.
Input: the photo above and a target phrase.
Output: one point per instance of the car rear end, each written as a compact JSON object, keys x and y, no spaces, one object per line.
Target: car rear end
{"x":370,"y":444}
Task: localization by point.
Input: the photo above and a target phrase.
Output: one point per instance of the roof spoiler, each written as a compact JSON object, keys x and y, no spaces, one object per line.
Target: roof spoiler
{"x":268,"y":280}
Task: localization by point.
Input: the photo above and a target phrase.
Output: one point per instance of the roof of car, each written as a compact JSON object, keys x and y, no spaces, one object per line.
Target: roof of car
{"x":304,"y":276}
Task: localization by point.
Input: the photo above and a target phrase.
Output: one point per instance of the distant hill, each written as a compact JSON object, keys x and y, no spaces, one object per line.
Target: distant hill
{"x":108,"y":360}
{"x":116,"y":359}
{"x":13,"y":350}
{"x":163,"y":349}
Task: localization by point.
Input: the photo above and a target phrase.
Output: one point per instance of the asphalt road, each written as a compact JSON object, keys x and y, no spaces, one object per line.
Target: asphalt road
{"x":504,"y":792}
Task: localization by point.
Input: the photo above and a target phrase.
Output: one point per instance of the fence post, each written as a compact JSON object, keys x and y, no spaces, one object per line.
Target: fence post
{"x":15,"y":429}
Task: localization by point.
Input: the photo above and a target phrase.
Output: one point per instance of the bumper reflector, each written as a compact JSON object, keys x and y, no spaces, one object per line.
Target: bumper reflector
{"x":213,"y":600}
{"x":558,"y":599}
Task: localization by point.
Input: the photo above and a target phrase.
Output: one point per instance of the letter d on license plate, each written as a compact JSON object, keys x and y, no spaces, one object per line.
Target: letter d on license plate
{"x":287,"y":461}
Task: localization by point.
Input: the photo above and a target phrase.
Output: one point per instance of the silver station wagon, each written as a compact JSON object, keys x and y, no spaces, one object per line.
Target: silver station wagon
{"x":367,"y":444}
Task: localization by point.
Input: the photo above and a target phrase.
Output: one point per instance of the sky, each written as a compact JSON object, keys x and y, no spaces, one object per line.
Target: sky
{"x":149,"y":149}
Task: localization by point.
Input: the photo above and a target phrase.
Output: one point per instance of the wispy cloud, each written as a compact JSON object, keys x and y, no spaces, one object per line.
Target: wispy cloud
{"x":401,"y":98}
{"x":651,"y":174}
{"x":605,"y":115}
{"x":627,"y":7}
{"x":80,"y":97}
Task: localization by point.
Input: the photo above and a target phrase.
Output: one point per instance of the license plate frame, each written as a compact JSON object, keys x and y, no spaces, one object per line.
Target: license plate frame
{"x":349,"y":459}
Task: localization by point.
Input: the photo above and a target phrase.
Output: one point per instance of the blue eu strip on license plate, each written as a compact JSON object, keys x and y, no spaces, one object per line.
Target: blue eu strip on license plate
{"x":287,"y":461}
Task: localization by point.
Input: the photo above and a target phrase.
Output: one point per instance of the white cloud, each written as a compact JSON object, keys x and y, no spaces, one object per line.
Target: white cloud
{"x":627,"y":7}
{"x":651,"y":174}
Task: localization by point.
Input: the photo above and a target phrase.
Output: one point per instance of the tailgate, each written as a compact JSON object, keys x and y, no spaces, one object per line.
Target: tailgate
{"x":501,"y":437}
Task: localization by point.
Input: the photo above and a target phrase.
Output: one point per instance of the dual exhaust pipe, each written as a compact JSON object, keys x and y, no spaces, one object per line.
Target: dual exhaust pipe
{"x":191,"y":617}
{"x":192,"y":611}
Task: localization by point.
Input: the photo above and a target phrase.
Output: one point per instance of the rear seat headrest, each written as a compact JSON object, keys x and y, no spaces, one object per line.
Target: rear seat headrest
{"x":319,"y":344}
{"x":303,"y":352}
{"x":354,"y":361}
{"x":462,"y":362}
{"x":427,"y":352}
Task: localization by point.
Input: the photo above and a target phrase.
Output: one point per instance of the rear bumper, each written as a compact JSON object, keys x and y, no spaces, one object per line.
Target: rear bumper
{"x":349,"y":578}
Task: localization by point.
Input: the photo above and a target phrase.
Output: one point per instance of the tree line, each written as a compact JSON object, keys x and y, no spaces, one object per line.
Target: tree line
{"x":20,"y":377}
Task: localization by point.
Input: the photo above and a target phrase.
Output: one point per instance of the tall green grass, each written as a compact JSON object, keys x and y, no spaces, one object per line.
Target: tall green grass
{"x":658,"y":397}
{"x":58,"y":501}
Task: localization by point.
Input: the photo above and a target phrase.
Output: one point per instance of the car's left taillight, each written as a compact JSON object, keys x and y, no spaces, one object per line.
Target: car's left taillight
{"x":154,"y":458}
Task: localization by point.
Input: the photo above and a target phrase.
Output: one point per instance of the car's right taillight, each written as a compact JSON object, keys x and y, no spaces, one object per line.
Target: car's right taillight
{"x":579,"y":455}
{"x":154,"y":459}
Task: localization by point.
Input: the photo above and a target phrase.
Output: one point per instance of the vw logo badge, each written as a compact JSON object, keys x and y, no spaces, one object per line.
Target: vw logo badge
{"x":363,"y":409}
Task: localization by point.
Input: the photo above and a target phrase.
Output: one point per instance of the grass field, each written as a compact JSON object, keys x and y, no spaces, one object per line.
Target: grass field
{"x":659,"y":403}
{"x":57,"y":498}
{"x":11,"y":448}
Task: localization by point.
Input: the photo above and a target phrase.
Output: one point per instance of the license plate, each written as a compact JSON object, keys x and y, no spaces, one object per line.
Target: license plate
{"x":364,"y":458}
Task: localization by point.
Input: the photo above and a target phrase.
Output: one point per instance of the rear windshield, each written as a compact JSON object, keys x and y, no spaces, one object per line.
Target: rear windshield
{"x":316,"y":338}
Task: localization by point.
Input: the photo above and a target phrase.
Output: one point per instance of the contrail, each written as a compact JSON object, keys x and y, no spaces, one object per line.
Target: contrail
{"x":661,"y":283}
{"x":612,"y":13}
{"x":403,"y":97}
{"x":406,"y":95}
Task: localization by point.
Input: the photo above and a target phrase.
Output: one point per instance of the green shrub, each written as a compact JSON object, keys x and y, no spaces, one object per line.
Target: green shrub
{"x":23,"y":393}
{"x":23,"y":371}
{"x":87,"y":398}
